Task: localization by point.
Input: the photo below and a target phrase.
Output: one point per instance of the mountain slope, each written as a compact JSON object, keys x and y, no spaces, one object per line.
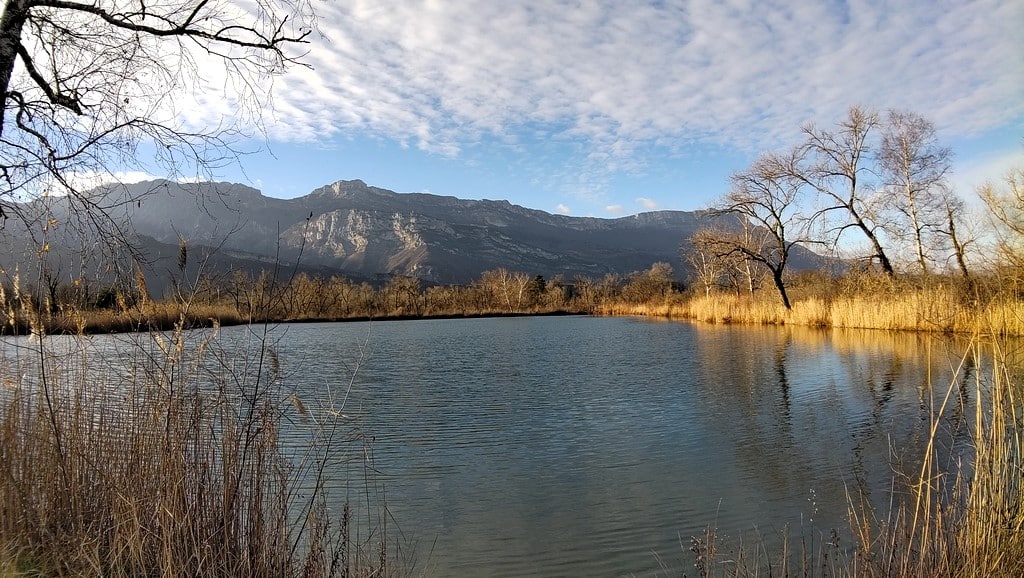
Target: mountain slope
{"x":371,"y":232}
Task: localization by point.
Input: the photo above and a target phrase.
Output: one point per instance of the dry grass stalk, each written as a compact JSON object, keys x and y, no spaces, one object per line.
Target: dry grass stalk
{"x":155,"y":469}
{"x":939,"y":309}
{"x":962,"y":521}
{"x":959,"y":514}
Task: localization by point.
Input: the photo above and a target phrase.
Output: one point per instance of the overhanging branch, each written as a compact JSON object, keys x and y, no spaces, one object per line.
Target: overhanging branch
{"x":56,"y":97}
{"x":185,"y":28}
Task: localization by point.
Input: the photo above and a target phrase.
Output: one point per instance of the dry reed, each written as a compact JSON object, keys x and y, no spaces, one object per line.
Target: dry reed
{"x":166,"y":463}
{"x":966,"y":520}
{"x":960,"y":513}
{"x":939,"y":309}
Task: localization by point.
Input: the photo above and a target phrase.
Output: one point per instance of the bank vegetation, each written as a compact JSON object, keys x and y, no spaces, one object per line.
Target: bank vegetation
{"x":919,"y":259}
{"x":988,"y":302}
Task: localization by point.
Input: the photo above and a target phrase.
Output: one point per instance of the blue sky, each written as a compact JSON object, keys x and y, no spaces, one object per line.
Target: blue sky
{"x":609,"y":108}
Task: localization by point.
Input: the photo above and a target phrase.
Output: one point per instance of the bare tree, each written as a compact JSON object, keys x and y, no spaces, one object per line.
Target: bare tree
{"x":953,"y":209}
{"x":649,"y":285}
{"x":768,"y":195}
{"x":914,"y":167}
{"x":85,"y":84}
{"x":1005,"y":202}
{"x":508,"y":288}
{"x":403,"y":295}
{"x":707,"y":267}
{"x":714,"y":268}
{"x":839,"y":164}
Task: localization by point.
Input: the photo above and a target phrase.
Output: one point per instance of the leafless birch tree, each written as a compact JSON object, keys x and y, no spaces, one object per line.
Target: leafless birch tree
{"x":914,"y":167}
{"x":506,"y":288}
{"x":713,"y":267}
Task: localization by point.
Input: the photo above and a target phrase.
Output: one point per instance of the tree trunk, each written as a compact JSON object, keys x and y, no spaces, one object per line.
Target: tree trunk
{"x":883,"y":259}
{"x":958,"y":247}
{"x":11,"y":23}
{"x":777,"y":278}
{"x":915,"y":223}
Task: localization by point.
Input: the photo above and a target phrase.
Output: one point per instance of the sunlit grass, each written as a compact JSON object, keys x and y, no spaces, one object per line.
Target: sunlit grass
{"x":943,"y":310}
{"x":968,"y":522}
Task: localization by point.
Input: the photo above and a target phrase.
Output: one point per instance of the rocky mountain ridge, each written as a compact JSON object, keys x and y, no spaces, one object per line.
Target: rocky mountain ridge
{"x":369,"y":232}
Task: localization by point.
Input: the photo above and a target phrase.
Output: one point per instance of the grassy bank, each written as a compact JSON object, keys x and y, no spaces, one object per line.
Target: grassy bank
{"x":866,"y":300}
{"x":945,"y":310}
{"x":165,"y":316}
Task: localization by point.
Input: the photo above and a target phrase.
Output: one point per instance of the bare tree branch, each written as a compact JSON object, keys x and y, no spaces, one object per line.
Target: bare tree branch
{"x":837,"y":164}
{"x":914,"y":168}
{"x":86,"y":86}
{"x":769,"y":196}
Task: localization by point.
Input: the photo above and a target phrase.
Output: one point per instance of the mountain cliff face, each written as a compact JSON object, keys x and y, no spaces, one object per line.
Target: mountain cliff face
{"x":371,"y":232}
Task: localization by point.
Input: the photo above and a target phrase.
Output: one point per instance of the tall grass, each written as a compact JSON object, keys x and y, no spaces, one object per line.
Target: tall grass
{"x":967,"y":520}
{"x":959,"y":513}
{"x":167,"y":459}
{"x":937,"y":309}
{"x":149,"y":316}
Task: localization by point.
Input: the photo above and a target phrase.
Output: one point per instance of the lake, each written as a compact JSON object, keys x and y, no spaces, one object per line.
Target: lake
{"x":595,"y":446}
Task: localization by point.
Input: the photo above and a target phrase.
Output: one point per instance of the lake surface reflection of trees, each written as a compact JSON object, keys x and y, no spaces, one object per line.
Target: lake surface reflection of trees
{"x":580,"y":445}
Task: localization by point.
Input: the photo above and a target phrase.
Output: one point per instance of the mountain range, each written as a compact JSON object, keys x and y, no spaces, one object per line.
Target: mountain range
{"x":368,"y":233}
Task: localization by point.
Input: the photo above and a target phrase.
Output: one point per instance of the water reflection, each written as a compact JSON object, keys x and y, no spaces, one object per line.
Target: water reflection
{"x":577,"y":446}
{"x":554,"y":446}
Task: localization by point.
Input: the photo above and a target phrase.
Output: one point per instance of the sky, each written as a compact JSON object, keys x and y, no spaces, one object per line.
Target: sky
{"x":610,"y":108}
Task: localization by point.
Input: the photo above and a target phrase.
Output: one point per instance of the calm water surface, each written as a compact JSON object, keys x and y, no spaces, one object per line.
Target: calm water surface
{"x":595,"y":446}
{"x":579,"y":446}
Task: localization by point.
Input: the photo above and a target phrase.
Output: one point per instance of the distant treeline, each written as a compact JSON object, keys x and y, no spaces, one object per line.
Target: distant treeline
{"x":243,"y":297}
{"x":852,"y":299}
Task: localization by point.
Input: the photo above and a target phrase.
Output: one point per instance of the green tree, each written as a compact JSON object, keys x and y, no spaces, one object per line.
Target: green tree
{"x":536,"y":288}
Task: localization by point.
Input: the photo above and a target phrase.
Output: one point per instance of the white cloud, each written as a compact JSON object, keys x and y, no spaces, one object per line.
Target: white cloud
{"x":85,"y":180}
{"x":563,"y":209}
{"x":646,"y":203}
{"x":81,"y":181}
{"x":441,"y":76}
{"x":615,"y":209}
